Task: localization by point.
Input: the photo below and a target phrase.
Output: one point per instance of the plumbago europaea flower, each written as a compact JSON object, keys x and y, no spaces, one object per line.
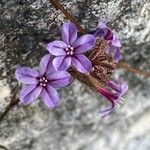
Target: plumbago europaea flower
{"x":111,"y":39}
{"x":108,"y":44}
{"x":70,"y":50}
{"x":42,"y":82}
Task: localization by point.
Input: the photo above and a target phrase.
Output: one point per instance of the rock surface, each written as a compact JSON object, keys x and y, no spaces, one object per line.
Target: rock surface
{"x":75,"y":124}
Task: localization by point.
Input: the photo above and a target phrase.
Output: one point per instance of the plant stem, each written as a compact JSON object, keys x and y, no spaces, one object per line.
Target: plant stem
{"x":86,"y":79}
{"x":68,"y":15}
{"x":8,"y":108}
{"x":14,"y":101}
{"x":133,"y":70}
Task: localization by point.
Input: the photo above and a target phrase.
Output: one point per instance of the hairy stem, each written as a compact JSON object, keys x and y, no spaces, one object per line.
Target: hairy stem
{"x":133,"y":70}
{"x":57,"y":5}
{"x":86,"y":79}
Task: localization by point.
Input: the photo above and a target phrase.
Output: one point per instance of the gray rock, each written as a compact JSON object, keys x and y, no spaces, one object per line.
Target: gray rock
{"x":75,"y":124}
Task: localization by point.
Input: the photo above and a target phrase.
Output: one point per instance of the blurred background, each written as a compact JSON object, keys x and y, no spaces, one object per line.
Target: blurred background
{"x":75,"y":124}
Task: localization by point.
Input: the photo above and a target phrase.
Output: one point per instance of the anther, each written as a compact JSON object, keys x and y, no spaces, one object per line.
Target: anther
{"x":67,"y":49}
{"x":69,"y":46}
{"x":44,"y":84}
{"x":71,"y":53}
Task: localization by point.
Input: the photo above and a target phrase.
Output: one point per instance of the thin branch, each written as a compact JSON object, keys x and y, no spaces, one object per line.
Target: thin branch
{"x":3,"y":147}
{"x":86,"y":79}
{"x":68,"y":15}
{"x":8,"y":108}
{"x":133,"y":70}
{"x":12,"y":103}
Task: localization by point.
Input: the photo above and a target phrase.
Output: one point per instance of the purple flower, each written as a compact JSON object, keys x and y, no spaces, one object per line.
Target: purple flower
{"x":70,"y":50}
{"x":43,"y":82}
{"x":112,"y":40}
{"x":119,"y":88}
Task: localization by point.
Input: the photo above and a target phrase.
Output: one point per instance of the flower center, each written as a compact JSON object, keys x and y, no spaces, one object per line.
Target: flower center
{"x":69,"y":50}
{"x":43,"y":81}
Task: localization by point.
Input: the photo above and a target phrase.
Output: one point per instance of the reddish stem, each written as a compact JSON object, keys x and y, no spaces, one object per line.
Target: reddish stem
{"x":14,"y":101}
{"x":8,"y":108}
{"x":68,"y":15}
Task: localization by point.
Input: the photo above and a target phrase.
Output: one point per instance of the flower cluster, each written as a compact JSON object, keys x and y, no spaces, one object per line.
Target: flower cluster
{"x":71,"y":53}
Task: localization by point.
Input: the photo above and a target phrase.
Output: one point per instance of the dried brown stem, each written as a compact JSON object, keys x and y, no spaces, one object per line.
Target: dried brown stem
{"x":8,"y":108}
{"x":14,"y":101}
{"x":86,"y":79}
{"x":133,"y":70}
{"x":68,"y":15}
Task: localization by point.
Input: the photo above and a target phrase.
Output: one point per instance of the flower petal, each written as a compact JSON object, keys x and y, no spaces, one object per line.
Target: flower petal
{"x":114,"y":52}
{"x":61,"y":63}
{"x":46,"y":65}
{"x":101,"y":25}
{"x":84,"y":43}
{"x":112,"y":98}
{"x":117,"y":55}
{"x":69,"y":33}
{"x":101,"y":29}
{"x":29,"y":93}
{"x":27,"y":75}
{"x":116,"y":42}
{"x":108,"y":36}
{"x":56,"y":48}
{"x":81,"y":63}
{"x":99,"y":33}
{"x":50,"y":97}
{"x":106,"y":112}
{"x":59,"y":79}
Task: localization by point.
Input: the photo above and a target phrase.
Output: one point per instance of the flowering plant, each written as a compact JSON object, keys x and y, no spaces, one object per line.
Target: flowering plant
{"x":91,"y":58}
{"x":66,"y":57}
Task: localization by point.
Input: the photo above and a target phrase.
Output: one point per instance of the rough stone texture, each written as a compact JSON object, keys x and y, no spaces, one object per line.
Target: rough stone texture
{"x":75,"y":124}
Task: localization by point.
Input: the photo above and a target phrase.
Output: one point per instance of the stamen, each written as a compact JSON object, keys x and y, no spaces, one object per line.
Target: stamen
{"x":44,"y":84}
{"x":71,"y":53}
{"x":67,"y":49}
{"x":121,"y":102}
{"x":71,"y":48}
{"x":122,"y":99}
{"x":41,"y":84}
{"x":117,"y":105}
